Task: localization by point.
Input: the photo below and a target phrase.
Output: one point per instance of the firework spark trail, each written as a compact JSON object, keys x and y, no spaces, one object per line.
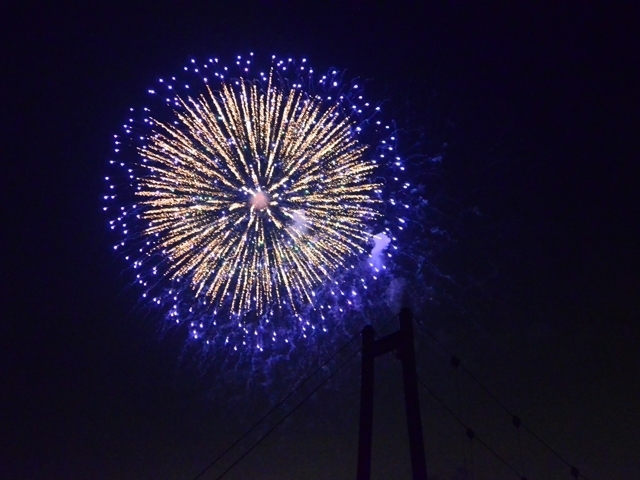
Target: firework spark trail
{"x":227,"y":180}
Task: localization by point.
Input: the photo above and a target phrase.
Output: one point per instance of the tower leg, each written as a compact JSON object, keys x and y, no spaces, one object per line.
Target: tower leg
{"x":366,"y":405}
{"x":411,"y":396}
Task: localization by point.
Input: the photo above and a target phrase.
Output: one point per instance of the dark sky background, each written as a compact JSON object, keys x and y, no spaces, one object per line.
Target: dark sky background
{"x":538,"y":107}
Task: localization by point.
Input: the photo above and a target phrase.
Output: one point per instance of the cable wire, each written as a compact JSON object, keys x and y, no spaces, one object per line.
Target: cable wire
{"x":574,"y":470}
{"x":288,"y":414}
{"x":470,"y":433}
{"x":278,"y":405}
{"x":281,"y":402}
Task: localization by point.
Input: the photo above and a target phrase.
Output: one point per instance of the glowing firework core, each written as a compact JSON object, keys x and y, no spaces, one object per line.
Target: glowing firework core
{"x":259,"y":201}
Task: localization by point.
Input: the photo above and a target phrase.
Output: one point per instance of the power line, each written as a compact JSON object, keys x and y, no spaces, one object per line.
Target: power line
{"x":470,"y":433}
{"x":278,"y":405}
{"x":281,"y":402}
{"x":288,"y":414}
{"x":515,"y":419}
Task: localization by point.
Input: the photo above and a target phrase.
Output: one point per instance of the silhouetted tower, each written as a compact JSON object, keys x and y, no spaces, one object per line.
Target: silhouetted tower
{"x":402,"y":342}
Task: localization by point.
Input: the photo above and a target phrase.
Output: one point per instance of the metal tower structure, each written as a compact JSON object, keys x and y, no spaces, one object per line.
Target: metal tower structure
{"x":402,"y":342}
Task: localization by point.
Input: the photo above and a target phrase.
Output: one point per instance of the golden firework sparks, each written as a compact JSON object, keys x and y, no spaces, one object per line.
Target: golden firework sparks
{"x":256,"y":195}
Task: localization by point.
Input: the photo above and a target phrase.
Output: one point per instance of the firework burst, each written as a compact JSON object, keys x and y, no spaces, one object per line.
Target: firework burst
{"x":249,"y":201}
{"x":257,"y":195}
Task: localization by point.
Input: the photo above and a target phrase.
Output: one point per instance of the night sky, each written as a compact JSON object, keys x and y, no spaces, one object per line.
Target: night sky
{"x":534,"y":109}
